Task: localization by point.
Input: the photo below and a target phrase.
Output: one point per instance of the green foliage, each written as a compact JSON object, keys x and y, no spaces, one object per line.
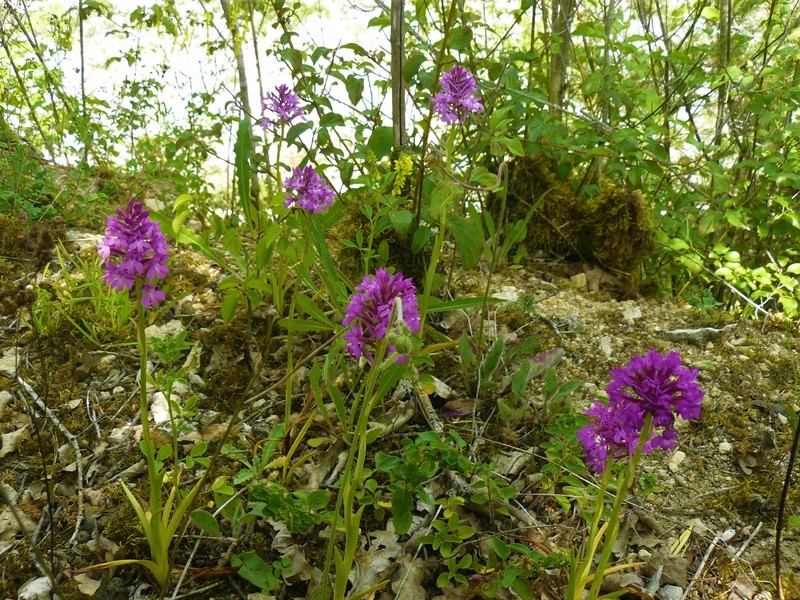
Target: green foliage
{"x":266,"y":576}
{"x":722,"y":171}
{"x":78,"y":296}
{"x":430,"y":455}
{"x":299,"y":510}
{"x":453,"y":566}
{"x":448,"y":533}
{"x":171,"y":379}
{"x":565,"y":470}
{"x":556,"y":395}
{"x":668,"y":150}
{"x":26,"y":184}
{"x":517,"y":566}
{"x":171,"y":348}
{"x":256,"y":464}
{"x":773,"y":286}
{"x":267,"y":499}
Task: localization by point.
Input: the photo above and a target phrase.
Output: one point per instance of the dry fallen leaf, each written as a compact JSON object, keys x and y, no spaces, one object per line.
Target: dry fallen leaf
{"x":87,"y":585}
{"x":9,"y":441}
{"x":407,"y":580}
{"x":459,"y":407}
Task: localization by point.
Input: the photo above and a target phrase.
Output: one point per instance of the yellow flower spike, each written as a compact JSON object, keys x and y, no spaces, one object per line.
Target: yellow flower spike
{"x":402,"y":168}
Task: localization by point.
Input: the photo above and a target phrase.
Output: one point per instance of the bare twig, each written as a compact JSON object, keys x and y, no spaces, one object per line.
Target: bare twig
{"x":73,"y":442}
{"x":714,"y":544}
{"x":748,"y":540}
{"x":185,"y":571}
{"x":90,"y":412}
{"x":782,"y":506}
{"x":35,"y":553}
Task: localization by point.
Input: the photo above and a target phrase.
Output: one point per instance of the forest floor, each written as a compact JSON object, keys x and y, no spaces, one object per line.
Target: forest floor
{"x":718,"y":492}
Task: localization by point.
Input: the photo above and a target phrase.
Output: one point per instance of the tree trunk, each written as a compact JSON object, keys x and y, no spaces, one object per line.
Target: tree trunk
{"x":560,"y":36}
{"x":244,"y":96}
{"x":398,"y":95}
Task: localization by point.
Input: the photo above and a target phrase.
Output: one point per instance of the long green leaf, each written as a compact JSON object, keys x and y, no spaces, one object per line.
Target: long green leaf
{"x":435,"y":305}
{"x":242,"y":150}
{"x":303,"y":325}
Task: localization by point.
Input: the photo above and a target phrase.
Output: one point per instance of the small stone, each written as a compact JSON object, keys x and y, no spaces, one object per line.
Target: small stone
{"x":119,"y":435}
{"x":573,"y":323}
{"x":159,"y":408}
{"x":580,"y":281}
{"x":179,"y":388}
{"x":605,"y":346}
{"x":630,"y":314}
{"x":676,"y":459}
{"x":299,"y":379}
{"x":510,"y":293}
{"x":670,"y":592}
{"x":171,"y":329}
{"x":35,"y":589}
{"x":106,"y":362}
{"x":118,"y":391}
{"x":9,"y":361}
{"x":725,"y":447}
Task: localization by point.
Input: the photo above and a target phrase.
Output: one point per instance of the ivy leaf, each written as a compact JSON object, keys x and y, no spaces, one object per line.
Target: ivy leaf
{"x":355,"y":88}
{"x":411,"y":66}
{"x":229,"y":304}
{"x":206,"y":521}
{"x":401,"y":510}
{"x":469,"y":239}
{"x":380,"y":142}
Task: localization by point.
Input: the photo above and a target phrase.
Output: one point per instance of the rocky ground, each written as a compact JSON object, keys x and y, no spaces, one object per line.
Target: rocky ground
{"x":700,"y":525}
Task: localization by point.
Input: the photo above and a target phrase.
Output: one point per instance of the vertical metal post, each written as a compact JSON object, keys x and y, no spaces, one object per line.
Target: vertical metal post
{"x":397,"y":40}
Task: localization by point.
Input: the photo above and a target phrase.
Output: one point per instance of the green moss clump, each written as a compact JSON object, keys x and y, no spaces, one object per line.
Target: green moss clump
{"x":619,"y":232}
{"x":389,"y":246}
{"x":557,"y":214}
{"x":12,"y":228}
{"x":611,"y":229}
{"x":352,"y":223}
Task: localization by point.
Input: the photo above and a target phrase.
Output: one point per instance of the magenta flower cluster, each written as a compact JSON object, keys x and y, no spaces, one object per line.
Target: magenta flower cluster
{"x":458,"y":96}
{"x":651,"y":384}
{"x":284,"y":103}
{"x":369,"y":312}
{"x":134,"y":253}
{"x":311,"y":192}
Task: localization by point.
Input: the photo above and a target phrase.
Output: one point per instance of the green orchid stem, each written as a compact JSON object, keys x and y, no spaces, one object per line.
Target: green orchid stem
{"x":436,"y":253}
{"x":302,"y":269}
{"x":352,"y":476}
{"x":278,"y":156}
{"x":439,"y":60}
{"x":147,"y":446}
{"x":595,"y":532}
{"x":159,"y":547}
{"x":434,"y":262}
{"x":624,"y":484}
{"x":160,"y":520}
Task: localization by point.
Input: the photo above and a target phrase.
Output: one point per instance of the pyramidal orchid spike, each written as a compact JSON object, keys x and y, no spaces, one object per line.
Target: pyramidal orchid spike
{"x":134,"y":253}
